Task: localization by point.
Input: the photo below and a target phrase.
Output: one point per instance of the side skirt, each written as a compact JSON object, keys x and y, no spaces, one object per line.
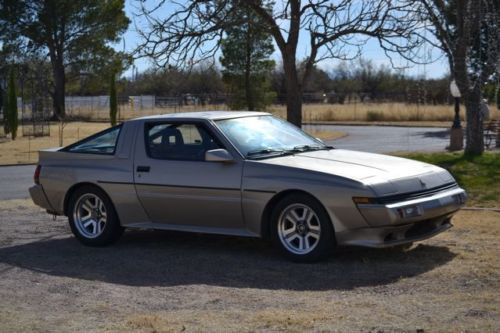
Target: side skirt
{"x":190,"y":228}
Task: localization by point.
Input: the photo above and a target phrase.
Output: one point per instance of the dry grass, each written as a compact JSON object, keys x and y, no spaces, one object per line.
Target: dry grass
{"x":127,"y":112}
{"x":25,"y":149}
{"x":370,"y":112}
{"x":376,"y":112}
{"x":274,"y":319}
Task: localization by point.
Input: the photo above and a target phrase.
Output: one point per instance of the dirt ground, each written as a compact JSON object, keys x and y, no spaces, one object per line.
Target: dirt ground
{"x":173,"y":282}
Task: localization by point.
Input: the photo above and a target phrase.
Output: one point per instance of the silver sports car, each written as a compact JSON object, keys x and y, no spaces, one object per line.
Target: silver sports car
{"x":245,"y":174}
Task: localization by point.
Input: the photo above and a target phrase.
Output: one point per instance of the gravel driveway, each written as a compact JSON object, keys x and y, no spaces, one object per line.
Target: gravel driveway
{"x":168,"y":282}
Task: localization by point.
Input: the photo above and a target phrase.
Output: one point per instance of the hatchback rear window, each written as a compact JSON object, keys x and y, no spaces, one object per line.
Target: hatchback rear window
{"x":101,"y":143}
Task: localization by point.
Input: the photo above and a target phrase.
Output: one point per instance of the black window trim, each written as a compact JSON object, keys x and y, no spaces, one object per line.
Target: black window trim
{"x":92,"y":137}
{"x":150,"y":124}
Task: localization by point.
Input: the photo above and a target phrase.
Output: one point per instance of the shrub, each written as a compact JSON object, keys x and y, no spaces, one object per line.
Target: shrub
{"x":374,"y":116}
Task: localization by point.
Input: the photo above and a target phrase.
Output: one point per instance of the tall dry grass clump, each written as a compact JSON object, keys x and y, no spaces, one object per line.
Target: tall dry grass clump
{"x":375,"y":112}
{"x":386,"y":112}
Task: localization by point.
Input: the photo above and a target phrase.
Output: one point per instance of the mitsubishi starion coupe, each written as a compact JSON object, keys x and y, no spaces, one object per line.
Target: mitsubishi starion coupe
{"x":244,"y":174}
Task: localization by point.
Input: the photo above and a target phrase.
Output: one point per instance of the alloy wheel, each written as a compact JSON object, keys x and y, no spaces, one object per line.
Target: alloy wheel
{"x":299,"y":229}
{"x":90,"y":215}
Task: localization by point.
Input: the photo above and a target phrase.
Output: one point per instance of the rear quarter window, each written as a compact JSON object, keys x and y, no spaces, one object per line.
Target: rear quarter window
{"x":103,"y":143}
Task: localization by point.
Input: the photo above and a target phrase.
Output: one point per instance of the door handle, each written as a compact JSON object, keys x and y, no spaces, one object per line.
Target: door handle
{"x":143,"y":168}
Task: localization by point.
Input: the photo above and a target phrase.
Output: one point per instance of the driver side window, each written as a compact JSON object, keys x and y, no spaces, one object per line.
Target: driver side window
{"x":179,"y":141}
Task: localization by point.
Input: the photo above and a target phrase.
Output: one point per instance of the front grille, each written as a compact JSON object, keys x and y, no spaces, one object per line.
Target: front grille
{"x":416,"y":195}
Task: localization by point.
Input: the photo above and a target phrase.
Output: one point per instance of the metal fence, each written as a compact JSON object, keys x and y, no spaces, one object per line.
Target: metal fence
{"x":97,"y":107}
{"x":316,"y":107}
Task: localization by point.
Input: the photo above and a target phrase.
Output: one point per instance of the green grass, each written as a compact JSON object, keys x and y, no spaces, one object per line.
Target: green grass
{"x":478,"y":175}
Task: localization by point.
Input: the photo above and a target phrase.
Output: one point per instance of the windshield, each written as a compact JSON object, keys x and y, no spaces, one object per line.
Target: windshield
{"x":265,"y":136}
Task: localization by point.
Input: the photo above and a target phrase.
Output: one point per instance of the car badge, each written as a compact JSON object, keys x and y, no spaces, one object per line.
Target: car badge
{"x":424,"y":185}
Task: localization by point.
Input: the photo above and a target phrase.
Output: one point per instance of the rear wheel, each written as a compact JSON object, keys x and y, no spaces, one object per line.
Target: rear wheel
{"x":92,"y":217}
{"x":302,"y":229}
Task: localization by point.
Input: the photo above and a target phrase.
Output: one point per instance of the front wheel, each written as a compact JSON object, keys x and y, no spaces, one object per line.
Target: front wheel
{"x":92,"y":217}
{"x":302,"y":229}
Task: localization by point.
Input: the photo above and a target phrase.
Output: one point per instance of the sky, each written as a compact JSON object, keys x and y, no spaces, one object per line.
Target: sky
{"x":371,"y":51}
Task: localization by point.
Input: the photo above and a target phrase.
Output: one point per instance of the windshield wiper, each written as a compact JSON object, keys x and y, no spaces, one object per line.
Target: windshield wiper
{"x":279,"y":152}
{"x":266,"y":151}
{"x":303,"y":148}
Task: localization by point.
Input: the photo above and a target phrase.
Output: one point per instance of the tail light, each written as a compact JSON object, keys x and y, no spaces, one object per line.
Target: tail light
{"x":36,"y":176}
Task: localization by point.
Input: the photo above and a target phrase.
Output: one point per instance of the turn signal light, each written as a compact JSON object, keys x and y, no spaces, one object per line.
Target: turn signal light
{"x":364,"y":200}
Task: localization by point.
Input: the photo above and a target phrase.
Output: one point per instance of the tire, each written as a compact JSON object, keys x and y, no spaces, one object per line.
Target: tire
{"x":301,"y":228}
{"x":92,"y":217}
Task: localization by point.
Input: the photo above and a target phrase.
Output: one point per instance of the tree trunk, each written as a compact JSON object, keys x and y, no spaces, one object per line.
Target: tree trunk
{"x":59,"y":88}
{"x":293,"y":93}
{"x":248,"y":92}
{"x":474,"y":132}
{"x":248,"y":70}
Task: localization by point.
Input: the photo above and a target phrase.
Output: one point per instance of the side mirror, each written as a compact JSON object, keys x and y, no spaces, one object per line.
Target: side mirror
{"x":218,"y":155}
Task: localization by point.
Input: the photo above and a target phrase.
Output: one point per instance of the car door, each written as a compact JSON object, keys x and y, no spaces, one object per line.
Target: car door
{"x":175,"y":184}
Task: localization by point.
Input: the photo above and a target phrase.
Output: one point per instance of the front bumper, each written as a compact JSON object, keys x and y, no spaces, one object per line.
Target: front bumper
{"x":414,"y":210}
{"x":39,"y":198}
{"x":394,"y":235}
{"x":406,"y":221}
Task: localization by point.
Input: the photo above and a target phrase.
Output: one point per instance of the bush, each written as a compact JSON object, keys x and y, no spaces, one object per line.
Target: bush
{"x":375,"y":116}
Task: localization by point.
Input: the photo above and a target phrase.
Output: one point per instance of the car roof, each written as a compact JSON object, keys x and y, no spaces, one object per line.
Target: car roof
{"x":206,"y":115}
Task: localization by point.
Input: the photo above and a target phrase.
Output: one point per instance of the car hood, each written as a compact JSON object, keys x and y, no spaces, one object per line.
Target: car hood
{"x":385,"y":174}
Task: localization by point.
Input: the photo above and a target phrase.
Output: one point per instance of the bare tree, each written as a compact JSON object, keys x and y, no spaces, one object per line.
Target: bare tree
{"x":335,"y":29}
{"x":468,"y":33}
